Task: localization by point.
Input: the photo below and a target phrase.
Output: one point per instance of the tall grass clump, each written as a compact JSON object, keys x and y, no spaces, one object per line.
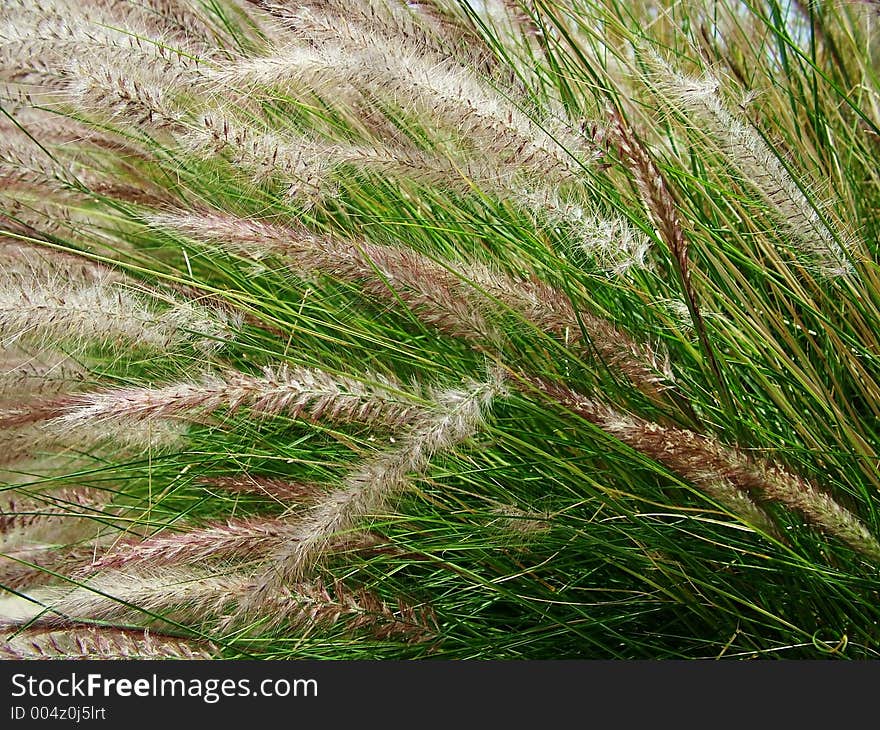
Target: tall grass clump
{"x":443,"y":329}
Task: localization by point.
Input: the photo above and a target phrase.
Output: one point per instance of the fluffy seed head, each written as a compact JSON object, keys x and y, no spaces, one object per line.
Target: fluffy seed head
{"x":456,"y":415}
{"x":758,"y":164}
{"x":99,"y":643}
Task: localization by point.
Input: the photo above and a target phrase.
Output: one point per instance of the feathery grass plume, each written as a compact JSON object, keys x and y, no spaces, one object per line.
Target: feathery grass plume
{"x":432,"y":291}
{"x":612,"y":243}
{"x":417,"y":81}
{"x":313,"y":605}
{"x":305,"y":393}
{"x":653,"y":189}
{"x":23,"y":444}
{"x":95,"y":20}
{"x":34,"y":222}
{"x":34,"y":440}
{"x":457,"y":414}
{"x":34,"y":565}
{"x":182,"y":595}
{"x":66,"y":135}
{"x":451,"y":297}
{"x":715,"y":467}
{"x":421,"y":24}
{"x":130,"y":76}
{"x":68,"y":213}
{"x":53,"y":150}
{"x":307,"y":166}
{"x":180,"y":20}
{"x":53,"y":516}
{"x":198,"y":598}
{"x":303,"y":165}
{"x":159,"y":16}
{"x":39,"y":553}
{"x":552,"y":311}
{"x":278,"y":490}
{"x":54,"y":532}
{"x":23,"y":164}
{"x":91,"y":642}
{"x":121,"y":97}
{"x":31,"y":412}
{"x":698,"y":99}
{"x":19,"y":509}
{"x":81,"y":315}
{"x":20,"y":261}
{"x":49,"y":47}
{"x":663,"y":210}
{"x":246,"y":539}
{"x":133,"y":438}
{"x":23,"y":373}
{"x":152,"y":90}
